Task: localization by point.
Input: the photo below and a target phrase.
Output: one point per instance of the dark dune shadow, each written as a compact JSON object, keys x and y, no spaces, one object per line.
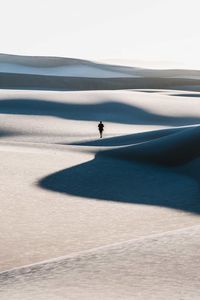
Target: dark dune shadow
{"x":6,"y":133}
{"x":62,"y":83}
{"x":175,"y":149}
{"x":149,"y":91}
{"x":186,"y":95}
{"x":129,"y":139}
{"x":153,"y":173}
{"x":115,"y":112}
{"x":129,"y":182}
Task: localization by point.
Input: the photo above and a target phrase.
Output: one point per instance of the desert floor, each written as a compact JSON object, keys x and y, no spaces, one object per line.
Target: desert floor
{"x":89,"y":218}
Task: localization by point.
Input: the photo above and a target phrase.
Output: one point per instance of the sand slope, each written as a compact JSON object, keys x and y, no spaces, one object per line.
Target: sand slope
{"x":155,"y":267}
{"x":116,"y":218}
{"x":54,"y":73}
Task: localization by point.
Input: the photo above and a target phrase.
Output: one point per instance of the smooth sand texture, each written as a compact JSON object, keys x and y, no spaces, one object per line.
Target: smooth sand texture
{"x":64,"y":74}
{"x":155,"y":267}
{"x":116,"y":218}
{"x":72,"y":70}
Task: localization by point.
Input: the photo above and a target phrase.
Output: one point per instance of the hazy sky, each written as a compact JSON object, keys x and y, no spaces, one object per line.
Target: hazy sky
{"x":145,"y":31}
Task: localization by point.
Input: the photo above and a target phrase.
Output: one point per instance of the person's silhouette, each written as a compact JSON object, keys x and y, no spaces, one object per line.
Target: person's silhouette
{"x":101,"y":126}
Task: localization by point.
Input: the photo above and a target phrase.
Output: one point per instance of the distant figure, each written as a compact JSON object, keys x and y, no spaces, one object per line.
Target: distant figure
{"x":101,"y":126}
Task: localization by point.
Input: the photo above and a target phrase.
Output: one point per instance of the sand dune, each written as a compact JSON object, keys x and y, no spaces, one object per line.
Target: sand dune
{"x":61,"y":83}
{"x":111,"y":218}
{"x":67,"y":71}
{"x":40,"y":62}
{"x":131,"y":138}
{"x":173,"y":149}
{"x":155,"y":267}
{"x":54,"y":73}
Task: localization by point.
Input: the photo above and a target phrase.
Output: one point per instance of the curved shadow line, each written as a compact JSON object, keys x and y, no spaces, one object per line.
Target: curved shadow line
{"x":130,"y":138}
{"x":118,"y":180}
{"x":115,"y":112}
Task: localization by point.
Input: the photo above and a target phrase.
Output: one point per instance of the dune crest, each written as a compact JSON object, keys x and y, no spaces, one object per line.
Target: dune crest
{"x":173,"y":149}
{"x":89,"y":218}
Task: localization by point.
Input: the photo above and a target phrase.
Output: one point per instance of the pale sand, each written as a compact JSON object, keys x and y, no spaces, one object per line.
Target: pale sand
{"x":59,"y":199}
{"x":163,"y":266}
{"x":64,"y":74}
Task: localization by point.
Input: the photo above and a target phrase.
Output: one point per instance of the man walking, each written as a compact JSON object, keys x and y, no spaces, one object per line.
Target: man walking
{"x":101,"y":126}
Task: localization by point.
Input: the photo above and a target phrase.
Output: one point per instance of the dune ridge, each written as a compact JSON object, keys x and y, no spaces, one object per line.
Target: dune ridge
{"x":61,"y":83}
{"x":141,"y":260}
{"x":54,"y":262}
{"x":171,"y":149}
{"x":54,"y":73}
{"x":53,"y":62}
{"x":88,"y":218}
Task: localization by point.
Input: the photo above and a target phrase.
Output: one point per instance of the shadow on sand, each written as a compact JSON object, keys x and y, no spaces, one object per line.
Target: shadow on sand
{"x":115,"y":112}
{"x":7,"y":133}
{"x":65,"y":83}
{"x":130,"y":138}
{"x":153,"y":173}
{"x":157,"y":172}
{"x":130,"y":182}
{"x":192,"y":95}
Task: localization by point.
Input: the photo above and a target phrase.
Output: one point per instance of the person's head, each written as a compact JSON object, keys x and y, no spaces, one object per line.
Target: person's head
{"x":100,"y":122}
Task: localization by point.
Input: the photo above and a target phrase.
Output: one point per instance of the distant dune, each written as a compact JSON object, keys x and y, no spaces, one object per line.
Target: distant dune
{"x":58,"y":83}
{"x":86,"y":218}
{"x":53,"y":73}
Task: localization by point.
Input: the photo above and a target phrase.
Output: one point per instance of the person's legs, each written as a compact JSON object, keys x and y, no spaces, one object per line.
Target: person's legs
{"x":101,"y":133}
